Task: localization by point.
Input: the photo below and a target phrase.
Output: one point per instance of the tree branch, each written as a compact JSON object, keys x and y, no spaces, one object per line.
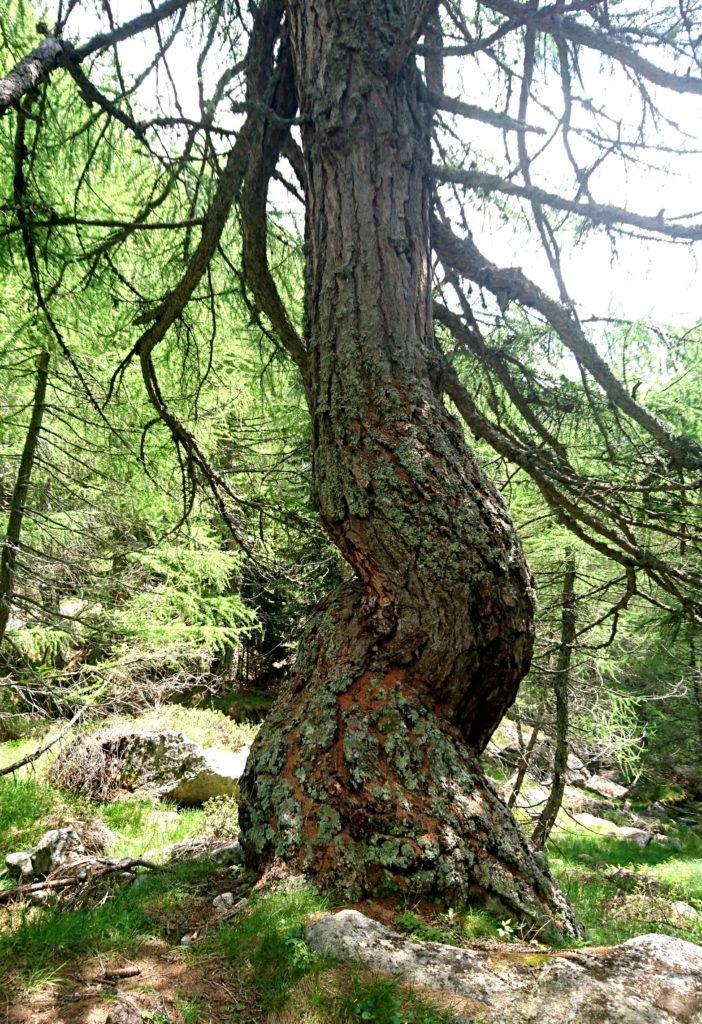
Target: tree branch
{"x":53,"y":53}
{"x":598,"y":213}
{"x":512,"y":285}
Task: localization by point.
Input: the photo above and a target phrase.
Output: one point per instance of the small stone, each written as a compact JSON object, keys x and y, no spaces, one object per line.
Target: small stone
{"x":124,"y":1015}
{"x":585,"y":858}
{"x":20,"y":864}
{"x":658,"y":837}
{"x":683,"y":914}
{"x":228,"y":856}
{"x":225,"y":901}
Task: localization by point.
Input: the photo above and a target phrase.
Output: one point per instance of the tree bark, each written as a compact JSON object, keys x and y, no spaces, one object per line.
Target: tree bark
{"x":366,"y":773}
{"x":8,"y":556}
{"x":552,"y":806}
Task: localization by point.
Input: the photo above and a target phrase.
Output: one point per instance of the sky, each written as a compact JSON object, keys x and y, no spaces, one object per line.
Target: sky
{"x":655,"y":280}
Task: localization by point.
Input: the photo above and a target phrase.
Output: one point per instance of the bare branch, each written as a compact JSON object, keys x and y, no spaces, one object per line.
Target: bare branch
{"x":53,"y":53}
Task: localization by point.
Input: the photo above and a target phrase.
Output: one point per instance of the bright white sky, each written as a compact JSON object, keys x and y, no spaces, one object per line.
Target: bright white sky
{"x":646,"y":280}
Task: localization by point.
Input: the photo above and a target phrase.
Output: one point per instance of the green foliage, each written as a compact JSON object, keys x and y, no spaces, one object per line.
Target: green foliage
{"x":678,"y":875}
{"x":221,"y":817}
{"x":181,"y":605}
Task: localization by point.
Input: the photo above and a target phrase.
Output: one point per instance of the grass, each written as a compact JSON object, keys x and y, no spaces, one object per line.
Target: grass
{"x":278,"y":975}
{"x":678,"y":873}
{"x":207,"y":727}
{"x":268,"y":966}
{"x":47,"y":939}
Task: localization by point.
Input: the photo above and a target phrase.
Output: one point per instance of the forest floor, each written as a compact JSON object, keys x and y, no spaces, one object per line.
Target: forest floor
{"x":76,"y":963}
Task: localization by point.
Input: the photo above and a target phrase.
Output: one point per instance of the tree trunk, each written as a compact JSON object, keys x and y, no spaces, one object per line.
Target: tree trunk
{"x":366,"y":773}
{"x":552,"y":806}
{"x":8,"y":556}
{"x":525,"y":756}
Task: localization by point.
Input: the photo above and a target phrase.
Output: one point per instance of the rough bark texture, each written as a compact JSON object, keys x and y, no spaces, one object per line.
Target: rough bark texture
{"x":366,"y":774}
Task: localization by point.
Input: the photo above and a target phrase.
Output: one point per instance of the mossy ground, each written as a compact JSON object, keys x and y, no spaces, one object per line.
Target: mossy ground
{"x":258,"y":970}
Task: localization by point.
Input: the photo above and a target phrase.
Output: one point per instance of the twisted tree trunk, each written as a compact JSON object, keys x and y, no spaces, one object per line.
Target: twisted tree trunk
{"x":366,"y":773}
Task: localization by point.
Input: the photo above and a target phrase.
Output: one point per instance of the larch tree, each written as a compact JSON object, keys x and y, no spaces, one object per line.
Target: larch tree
{"x":366,"y":775}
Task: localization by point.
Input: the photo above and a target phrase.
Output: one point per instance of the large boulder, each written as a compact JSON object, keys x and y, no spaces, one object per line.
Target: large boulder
{"x":172,"y":767}
{"x":162,"y":764}
{"x":653,"y":979}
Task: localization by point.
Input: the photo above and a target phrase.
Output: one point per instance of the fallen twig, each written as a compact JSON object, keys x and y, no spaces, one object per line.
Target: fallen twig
{"x":103,"y":870}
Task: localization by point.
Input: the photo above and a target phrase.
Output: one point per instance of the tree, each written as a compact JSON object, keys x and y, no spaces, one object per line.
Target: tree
{"x":367,"y":774}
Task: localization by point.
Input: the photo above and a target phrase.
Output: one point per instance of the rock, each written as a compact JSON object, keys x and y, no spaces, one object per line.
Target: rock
{"x":228,"y":903}
{"x":602,"y":826}
{"x":57,"y":847}
{"x":636,"y":835}
{"x":503,"y":749}
{"x":674,"y":844}
{"x":652,"y":979}
{"x":605,"y":787}
{"x":124,"y":1015}
{"x":349,"y":935}
{"x":228,"y":856}
{"x":225,"y":901}
{"x":20,"y":865}
{"x":683,"y":914}
{"x":170,"y":766}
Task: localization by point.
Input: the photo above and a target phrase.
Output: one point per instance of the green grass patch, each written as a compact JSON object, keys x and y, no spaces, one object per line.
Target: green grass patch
{"x":678,"y":873}
{"x":276,"y":972}
{"x":25,"y":805}
{"x":204,"y":726}
{"x":46,"y":939}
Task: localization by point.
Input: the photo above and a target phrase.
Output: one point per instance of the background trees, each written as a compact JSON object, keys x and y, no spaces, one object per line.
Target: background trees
{"x":141,"y":250}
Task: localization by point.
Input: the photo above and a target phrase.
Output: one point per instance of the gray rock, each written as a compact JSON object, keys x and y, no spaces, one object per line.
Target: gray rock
{"x":20,"y":865}
{"x":605,"y":787}
{"x":124,"y":1015}
{"x":652,"y":979}
{"x":230,"y":855}
{"x":228,"y":903}
{"x":349,"y":935}
{"x":670,"y":841}
{"x":56,"y":848}
{"x":636,"y":835}
{"x":683,"y":914}
{"x":605,"y":827}
{"x":225,"y":901}
{"x":170,"y":766}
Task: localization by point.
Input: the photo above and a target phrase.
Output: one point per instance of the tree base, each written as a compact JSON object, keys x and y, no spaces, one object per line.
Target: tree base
{"x":355,"y":782}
